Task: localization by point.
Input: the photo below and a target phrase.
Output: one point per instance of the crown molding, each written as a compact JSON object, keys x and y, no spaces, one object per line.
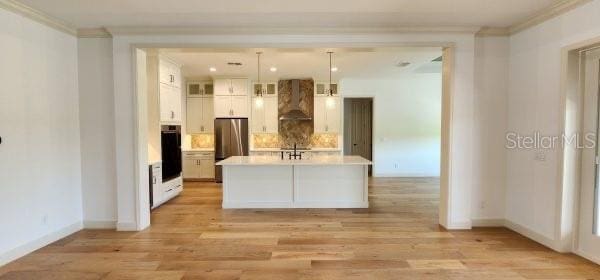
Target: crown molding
{"x":93,"y":33}
{"x":38,"y":16}
{"x":493,"y":32}
{"x":133,"y":30}
{"x":546,"y":14}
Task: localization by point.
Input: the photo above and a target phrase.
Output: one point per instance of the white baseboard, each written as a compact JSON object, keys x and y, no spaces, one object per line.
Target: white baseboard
{"x":458,"y":225}
{"x":588,"y":256}
{"x":31,"y":246}
{"x":97,"y":224}
{"x":405,"y":175}
{"x":127,"y":226}
{"x":487,"y":222}
{"x":523,"y":230}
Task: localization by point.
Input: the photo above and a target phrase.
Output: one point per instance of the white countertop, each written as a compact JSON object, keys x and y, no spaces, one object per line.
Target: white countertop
{"x":198,"y":150}
{"x":309,"y":150}
{"x":266,"y":160}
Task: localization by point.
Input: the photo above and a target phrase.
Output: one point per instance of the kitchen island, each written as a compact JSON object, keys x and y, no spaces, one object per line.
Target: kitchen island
{"x":272,"y":182}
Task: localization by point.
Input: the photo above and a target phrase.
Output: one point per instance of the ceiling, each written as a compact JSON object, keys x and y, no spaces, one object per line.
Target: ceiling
{"x":291,"y":14}
{"x":359,"y":63}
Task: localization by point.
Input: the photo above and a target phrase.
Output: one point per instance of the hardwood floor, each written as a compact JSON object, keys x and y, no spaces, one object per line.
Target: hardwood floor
{"x":191,"y":237}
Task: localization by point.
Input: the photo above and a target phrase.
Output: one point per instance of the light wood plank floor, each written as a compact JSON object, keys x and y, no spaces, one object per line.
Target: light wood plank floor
{"x":191,"y":237}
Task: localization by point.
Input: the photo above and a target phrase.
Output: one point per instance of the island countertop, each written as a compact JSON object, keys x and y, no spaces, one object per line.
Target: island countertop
{"x":271,"y":160}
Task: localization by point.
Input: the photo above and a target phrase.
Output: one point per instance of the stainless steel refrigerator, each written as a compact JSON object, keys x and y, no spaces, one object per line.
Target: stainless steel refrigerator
{"x":231,"y":139}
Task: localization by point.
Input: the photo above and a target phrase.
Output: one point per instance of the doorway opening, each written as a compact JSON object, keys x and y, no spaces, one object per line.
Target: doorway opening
{"x":358,"y":128}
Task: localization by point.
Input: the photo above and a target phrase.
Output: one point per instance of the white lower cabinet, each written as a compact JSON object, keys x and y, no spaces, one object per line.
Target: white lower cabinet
{"x":163,"y":191}
{"x":199,"y":165}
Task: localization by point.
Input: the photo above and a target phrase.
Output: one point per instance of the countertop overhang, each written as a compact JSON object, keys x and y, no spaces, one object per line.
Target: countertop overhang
{"x":270,"y":160}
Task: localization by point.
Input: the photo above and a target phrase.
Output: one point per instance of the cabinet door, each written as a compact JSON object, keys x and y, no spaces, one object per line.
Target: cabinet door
{"x":195,"y":89}
{"x":239,"y":106}
{"x":176,"y":72}
{"x":271,"y":89}
{"x":222,"y":87}
{"x":175,"y":103}
{"x":239,"y":86}
{"x":271,"y":114}
{"x":258,"y":115}
{"x":164,"y":71}
{"x":222,"y":105}
{"x":319,"y":115}
{"x":165,"y":102}
{"x":332,"y":109}
{"x":194,"y":115}
{"x":208,"y":115}
{"x":207,"y":168}
{"x":191,"y":168}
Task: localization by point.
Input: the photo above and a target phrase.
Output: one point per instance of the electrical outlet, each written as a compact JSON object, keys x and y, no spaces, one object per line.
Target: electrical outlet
{"x":482,"y":205}
{"x":540,"y":156}
{"x":396,"y":165}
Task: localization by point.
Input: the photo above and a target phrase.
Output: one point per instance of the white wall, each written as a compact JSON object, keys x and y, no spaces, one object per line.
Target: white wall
{"x":534,"y":104}
{"x":407,"y":123}
{"x":489,"y":161}
{"x":40,"y":193}
{"x":96,"y":113}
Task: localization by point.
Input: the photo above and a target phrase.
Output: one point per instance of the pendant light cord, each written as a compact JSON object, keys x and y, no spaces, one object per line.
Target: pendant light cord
{"x":330,"y":89}
{"x":258,"y":92}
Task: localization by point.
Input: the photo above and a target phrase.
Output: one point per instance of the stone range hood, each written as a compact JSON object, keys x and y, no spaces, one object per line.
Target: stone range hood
{"x":296,"y":106}
{"x":294,"y":111}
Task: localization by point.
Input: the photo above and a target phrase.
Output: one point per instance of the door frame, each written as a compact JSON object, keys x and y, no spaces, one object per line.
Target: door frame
{"x":569,"y":158}
{"x":448,"y":194}
{"x":343,"y":112}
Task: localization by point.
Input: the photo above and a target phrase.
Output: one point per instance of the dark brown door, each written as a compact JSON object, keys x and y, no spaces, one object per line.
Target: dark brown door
{"x":358,"y":124}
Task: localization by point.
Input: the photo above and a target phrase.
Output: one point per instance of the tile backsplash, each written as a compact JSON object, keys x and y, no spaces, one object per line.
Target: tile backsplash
{"x":203,"y":141}
{"x":319,"y":140}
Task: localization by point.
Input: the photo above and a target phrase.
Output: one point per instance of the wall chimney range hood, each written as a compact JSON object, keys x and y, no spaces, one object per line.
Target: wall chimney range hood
{"x":295,"y":113}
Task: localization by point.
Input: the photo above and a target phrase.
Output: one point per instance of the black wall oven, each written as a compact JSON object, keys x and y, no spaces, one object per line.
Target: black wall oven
{"x":170,"y":136}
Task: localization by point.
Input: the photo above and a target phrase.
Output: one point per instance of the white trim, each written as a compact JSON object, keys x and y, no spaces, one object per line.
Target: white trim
{"x":38,"y":16}
{"x":31,"y":246}
{"x":99,"y":224}
{"x":547,"y":14}
{"x":405,"y":175}
{"x":493,"y":31}
{"x":127,"y":226}
{"x":197,"y":30}
{"x":93,"y":33}
{"x":531,"y":234}
{"x":458,"y":225}
{"x":588,"y":256}
{"x":487,"y":222}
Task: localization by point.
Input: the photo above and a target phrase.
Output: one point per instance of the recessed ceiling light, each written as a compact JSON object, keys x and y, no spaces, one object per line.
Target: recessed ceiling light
{"x":273,"y":69}
{"x":212,"y":69}
{"x":334,"y":69}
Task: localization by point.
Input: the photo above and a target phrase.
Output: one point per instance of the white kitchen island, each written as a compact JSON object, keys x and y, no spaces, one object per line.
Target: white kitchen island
{"x":319,"y":182}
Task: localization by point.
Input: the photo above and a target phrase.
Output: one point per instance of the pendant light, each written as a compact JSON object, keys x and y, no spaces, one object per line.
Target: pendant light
{"x":258,"y":90}
{"x":330,"y":91}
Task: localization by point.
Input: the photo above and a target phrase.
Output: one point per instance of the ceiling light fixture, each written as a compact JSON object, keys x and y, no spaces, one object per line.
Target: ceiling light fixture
{"x":273,"y":69}
{"x":212,"y":69}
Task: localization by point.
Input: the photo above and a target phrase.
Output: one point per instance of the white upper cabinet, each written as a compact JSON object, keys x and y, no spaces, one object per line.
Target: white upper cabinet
{"x":327,"y":114}
{"x":267,"y":89}
{"x":200,"y":115}
{"x":322,"y":88}
{"x":235,"y":86}
{"x":265,"y":117}
{"x":170,"y":104}
{"x":169,"y":92}
{"x":231,"y":98}
{"x":169,"y":73}
{"x":200,"y":89}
